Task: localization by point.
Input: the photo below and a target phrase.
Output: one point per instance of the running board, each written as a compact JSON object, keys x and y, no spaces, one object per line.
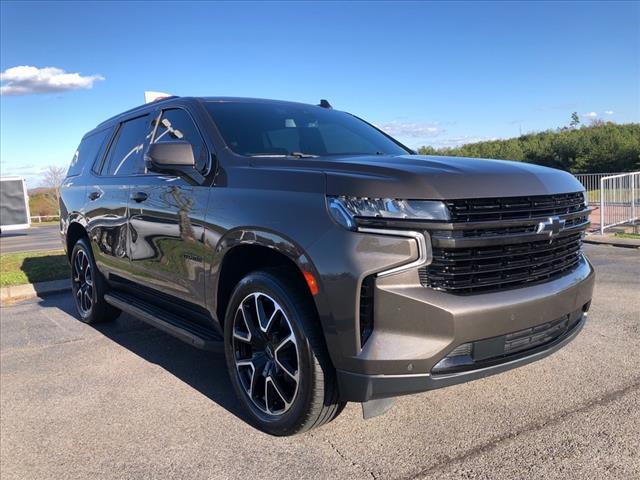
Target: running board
{"x":194,"y":334}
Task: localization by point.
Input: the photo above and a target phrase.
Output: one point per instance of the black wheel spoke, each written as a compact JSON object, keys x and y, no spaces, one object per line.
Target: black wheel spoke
{"x":249,"y":314}
{"x":87,"y":298}
{"x":241,"y":329}
{"x":275,"y":395}
{"x":283,"y":363}
{"x":248,"y":367}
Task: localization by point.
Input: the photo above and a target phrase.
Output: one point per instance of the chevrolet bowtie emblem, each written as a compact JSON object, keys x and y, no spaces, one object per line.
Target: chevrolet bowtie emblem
{"x":551,"y":227}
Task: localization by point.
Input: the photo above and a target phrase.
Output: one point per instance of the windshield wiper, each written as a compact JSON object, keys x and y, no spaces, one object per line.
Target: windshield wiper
{"x":281,"y":155}
{"x":302,"y":155}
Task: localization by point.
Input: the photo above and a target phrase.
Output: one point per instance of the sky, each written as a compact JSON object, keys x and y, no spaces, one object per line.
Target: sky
{"x":440,"y":74}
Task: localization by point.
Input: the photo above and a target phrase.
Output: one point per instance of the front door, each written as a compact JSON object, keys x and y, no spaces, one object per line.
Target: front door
{"x":166,"y":220}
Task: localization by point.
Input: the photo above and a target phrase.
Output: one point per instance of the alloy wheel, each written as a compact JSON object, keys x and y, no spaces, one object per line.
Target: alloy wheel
{"x":266,"y":354}
{"x":83,"y":282}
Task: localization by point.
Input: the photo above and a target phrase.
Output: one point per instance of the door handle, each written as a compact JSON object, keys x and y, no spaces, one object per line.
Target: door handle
{"x":139,"y":197}
{"x":94,"y":195}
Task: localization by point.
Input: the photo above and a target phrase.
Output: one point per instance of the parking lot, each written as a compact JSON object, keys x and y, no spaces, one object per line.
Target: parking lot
{"x":124,"y":400}
{"x":36,"y":238}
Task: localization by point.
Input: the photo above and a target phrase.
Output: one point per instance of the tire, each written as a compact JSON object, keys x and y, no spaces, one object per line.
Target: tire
{"x":285,"y":387}
{"x":89,"y":286}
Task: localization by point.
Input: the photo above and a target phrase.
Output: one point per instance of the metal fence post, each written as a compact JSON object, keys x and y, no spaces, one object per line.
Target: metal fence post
{"x":602,"y":206}
{"x":633,"y":200}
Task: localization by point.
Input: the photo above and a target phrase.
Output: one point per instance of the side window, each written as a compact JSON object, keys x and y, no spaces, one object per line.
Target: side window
{"x":125,"y":156}
{"x":87,"y":152}
{"x":176,"y":124}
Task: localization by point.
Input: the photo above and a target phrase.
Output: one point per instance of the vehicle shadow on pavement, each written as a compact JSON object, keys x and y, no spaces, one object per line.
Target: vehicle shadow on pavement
{"x":204,"y":371}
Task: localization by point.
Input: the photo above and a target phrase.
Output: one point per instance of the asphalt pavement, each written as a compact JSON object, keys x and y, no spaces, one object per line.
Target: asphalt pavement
{"x":123,"y":400}
{"x":37,"y":238}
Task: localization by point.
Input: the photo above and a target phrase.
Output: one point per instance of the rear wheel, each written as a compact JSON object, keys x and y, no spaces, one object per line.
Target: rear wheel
{"x":88,"y":286}
{"x":276,"y":355}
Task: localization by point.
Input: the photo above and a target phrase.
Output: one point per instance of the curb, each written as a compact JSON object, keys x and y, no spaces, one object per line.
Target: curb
{"x":33,"y":290}
{"x":613,"y":241}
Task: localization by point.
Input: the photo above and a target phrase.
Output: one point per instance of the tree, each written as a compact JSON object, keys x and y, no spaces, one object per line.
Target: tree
{"x":575,"y":120}
{"x":599,"y":147}
{"x":53,"y":177}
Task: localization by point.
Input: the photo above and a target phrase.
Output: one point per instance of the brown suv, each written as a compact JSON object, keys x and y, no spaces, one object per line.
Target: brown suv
{"x":328,"y":261}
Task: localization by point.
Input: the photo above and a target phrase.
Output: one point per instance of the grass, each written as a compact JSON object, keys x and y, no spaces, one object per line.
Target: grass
{"x":48,"y":222}
{"x":635,"y":236}
{"x":618,"y":195}
{"x":32,"y":267}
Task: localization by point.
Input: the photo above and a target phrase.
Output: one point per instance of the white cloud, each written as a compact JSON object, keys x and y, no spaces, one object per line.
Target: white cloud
{"x":398,"y":128}
{"x":24,"y":80}
{"x":590,"y":115}
{"x":608,"y":112}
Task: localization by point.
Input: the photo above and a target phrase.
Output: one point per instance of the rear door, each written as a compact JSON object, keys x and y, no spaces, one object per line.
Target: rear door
{"x":73,"y":191}
{"x":166,"y":218}
{"x":108,"y":197}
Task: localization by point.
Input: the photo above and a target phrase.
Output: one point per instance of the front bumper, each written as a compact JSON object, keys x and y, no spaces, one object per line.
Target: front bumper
{"x":416,"y":327}
{"x":361,"y":388}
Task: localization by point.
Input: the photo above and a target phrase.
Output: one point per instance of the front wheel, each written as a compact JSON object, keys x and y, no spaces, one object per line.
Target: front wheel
{"x":88,"y":286}
{"x":276,"y":356}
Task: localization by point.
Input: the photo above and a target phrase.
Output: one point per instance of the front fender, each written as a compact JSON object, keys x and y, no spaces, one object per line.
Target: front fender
{"x":269,"y":239}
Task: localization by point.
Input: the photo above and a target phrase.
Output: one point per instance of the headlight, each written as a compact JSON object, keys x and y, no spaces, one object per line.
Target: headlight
{"x":345,"y":209}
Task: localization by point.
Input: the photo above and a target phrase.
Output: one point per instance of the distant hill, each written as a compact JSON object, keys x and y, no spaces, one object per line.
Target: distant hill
{"x":42,"y":201}
{"x":593,"y":149}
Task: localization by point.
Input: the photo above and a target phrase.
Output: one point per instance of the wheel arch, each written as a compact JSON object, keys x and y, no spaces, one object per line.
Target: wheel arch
{"x":75,"y":231}
{"x":244,"y":250}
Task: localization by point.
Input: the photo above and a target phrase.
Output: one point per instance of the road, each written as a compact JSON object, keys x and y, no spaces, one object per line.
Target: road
{"x":46,"y":237}
{"x":123,"y":400}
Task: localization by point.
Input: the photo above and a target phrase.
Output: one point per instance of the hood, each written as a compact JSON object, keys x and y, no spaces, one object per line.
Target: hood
{"x":435,"y":177}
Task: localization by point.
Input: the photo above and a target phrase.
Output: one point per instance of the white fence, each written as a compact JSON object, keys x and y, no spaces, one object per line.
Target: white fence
{"x":591,"y":182}
{"x":44,"y":218}
{"x":619,"y":200}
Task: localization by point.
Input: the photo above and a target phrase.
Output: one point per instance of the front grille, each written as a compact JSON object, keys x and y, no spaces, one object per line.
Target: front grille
{"x":481,"y":269}
{"x":495,"y":209}
{"x":501,"y":231}
{"x":491,"y":243}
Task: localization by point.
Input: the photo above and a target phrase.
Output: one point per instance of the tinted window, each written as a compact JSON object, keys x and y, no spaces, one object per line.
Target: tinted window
{"x":87,"y":152}
{"x":279,"y":128}
{"x":176,"y":124}
{"x":126,"y":153}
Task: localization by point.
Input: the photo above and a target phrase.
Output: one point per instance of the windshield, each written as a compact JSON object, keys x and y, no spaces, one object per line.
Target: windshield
{"x":281,"y":129}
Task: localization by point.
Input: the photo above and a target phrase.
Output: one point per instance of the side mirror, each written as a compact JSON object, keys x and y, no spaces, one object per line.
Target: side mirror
{"x":173,"y":157}
{"x":168,"y":155}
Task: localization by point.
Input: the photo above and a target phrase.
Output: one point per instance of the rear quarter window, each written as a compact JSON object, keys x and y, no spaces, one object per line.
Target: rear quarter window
{"x":87,"y":152}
